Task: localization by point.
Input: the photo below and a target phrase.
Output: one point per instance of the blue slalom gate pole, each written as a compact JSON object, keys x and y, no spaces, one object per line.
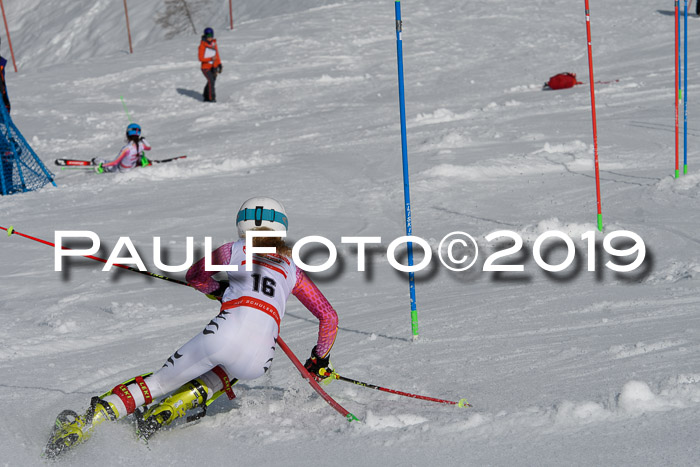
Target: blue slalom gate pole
{"x":685,"y":90}
{"x":406,"y":186}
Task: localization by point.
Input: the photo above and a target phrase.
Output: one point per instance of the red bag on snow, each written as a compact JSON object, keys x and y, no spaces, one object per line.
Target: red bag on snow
{"x":562,"y":81}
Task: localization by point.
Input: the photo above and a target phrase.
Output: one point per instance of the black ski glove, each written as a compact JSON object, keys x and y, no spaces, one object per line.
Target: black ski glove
{"x":315,"y":363}
{"x":219,"y":69}
{"x":218,"y":294}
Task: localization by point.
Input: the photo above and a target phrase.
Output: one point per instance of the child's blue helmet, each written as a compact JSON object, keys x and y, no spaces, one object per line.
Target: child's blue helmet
{"x":133,"y":130}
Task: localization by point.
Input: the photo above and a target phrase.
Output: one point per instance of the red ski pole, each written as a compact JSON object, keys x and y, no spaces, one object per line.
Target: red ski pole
{"x":11,"y":231}
{"x":314,"y":384}
{"x":334,"y":375}
{"x":595,"y":130}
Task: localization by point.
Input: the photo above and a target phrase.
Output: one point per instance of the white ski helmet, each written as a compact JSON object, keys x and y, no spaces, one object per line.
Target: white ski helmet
{"x":257,"y":213}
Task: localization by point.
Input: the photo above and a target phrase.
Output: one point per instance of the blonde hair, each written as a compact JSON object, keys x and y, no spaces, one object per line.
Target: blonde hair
{"x":277,"y":242}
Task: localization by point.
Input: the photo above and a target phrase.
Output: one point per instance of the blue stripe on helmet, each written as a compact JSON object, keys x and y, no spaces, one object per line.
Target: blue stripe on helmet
{"x":262,"y":215}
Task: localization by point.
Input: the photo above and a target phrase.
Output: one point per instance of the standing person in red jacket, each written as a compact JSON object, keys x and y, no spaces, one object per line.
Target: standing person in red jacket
{"x":211,"y":63}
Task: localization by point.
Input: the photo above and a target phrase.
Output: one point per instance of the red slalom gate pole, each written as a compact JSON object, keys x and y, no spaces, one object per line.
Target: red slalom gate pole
{"x":334,"y":375}
{"x":595,"y":130}
{"x":230,"y":11}
{"x":128,"y":29}
{"x":7,"y":30}
{"x":676,"y":85}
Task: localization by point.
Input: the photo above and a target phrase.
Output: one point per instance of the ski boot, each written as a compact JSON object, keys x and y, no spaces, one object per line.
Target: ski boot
{"x":143,"y":161}
{"x":188,"y":396}
{"x":71,"y":429}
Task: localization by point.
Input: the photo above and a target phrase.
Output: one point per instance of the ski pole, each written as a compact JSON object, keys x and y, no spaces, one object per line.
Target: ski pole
{"x":11,"y":230}
{"x":314,"y":384}
{"x":334,"y":375}
{"x":159,"y":161}
{"x":295,"y":361}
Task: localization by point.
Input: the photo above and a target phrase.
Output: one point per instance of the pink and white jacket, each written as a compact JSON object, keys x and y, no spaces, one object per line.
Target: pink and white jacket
{"x":303,"y":288}
{"x":128,"y":156}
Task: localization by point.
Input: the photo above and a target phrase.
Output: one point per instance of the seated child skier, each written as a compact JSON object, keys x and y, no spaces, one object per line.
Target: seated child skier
{"x":130,"y":155}
{"x":239,"y":343}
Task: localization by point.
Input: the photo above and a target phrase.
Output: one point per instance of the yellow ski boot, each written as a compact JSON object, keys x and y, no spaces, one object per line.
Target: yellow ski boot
{"x":188,"y":396}
{"x":71,"y":429}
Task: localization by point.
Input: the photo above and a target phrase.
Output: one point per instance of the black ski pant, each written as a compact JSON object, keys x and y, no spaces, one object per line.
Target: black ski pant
{"x":209,"y":93}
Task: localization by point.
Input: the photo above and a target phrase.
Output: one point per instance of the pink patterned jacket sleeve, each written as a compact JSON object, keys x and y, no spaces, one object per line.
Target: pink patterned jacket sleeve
{"x":312,"y":298}
{"x":200,"y":279}
{"x":122,"y":154}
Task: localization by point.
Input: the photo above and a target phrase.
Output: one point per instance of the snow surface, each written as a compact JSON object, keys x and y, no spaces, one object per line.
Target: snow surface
{"x":570,"y":368}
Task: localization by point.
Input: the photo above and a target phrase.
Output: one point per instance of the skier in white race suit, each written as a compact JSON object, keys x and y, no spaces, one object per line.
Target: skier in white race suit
{"x":238,"y":344}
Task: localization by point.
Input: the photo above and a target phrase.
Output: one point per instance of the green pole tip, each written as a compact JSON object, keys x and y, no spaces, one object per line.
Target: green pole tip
{"x":352,"y":418}
{"x":677,"y":173}
{"x":463,"y":403}
{"x":600,"y":222}
{"x":10,"y":231}
{"x":685,"y":169}
{"x":414,"y":324}
{"x":125,"y":109}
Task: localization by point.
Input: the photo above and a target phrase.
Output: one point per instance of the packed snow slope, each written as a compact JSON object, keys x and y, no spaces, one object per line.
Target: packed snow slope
{"x":575,"y":367}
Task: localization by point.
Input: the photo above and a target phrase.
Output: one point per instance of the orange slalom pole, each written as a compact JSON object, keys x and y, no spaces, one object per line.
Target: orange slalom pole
{"x":128,"y":29}
{"x":9,"y":40}
{"x":595,"y":130}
